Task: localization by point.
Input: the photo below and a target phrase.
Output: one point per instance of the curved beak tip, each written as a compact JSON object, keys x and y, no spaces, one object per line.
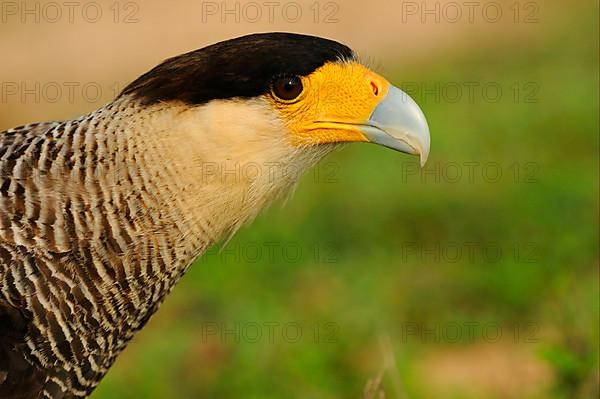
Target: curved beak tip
{"x":398,"y":123}
{"x":423,"y":157}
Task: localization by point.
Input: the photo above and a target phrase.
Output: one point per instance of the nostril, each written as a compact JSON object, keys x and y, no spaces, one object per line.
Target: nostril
{"x":375,"y":88}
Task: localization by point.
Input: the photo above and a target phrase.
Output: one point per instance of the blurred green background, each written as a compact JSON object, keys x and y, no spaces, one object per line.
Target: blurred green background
{"x":377,"y":286}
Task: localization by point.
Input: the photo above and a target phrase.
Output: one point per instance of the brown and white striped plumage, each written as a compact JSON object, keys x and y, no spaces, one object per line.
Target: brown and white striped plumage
{"x":99,"y":217}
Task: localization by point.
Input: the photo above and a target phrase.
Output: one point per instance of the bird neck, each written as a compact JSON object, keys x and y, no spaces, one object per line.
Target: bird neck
{"x":112,"y":208}
{"x":176,"y":180}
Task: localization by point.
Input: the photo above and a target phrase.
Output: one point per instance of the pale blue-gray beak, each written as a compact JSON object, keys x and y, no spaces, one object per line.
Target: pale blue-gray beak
{"x":398,"y":123}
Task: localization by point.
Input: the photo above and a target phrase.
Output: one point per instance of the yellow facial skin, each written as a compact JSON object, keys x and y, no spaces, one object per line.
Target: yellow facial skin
{"x":337,"y":98}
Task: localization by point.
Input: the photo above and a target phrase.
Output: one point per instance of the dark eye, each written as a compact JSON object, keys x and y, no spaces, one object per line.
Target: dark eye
{"x":287,"y":88}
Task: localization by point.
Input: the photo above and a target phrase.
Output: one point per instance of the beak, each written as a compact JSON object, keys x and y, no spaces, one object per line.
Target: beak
{"x":398,"y":123}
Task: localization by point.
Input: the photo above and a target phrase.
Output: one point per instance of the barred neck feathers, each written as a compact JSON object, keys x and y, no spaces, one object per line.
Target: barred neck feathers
{"x":111,"y":208}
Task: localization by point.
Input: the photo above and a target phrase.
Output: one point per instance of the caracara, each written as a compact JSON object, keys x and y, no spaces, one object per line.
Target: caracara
{"x":101,"y":215}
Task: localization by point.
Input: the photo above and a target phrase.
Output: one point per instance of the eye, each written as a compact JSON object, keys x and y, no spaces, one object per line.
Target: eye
{"x":287,"y":88}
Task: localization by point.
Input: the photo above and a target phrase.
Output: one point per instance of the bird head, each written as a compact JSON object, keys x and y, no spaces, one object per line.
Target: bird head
{"x":316,"y":88}
{"x":234,"y":114}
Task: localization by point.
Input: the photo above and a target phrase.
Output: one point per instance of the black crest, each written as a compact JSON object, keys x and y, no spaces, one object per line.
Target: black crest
{"x":242,"y":67}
